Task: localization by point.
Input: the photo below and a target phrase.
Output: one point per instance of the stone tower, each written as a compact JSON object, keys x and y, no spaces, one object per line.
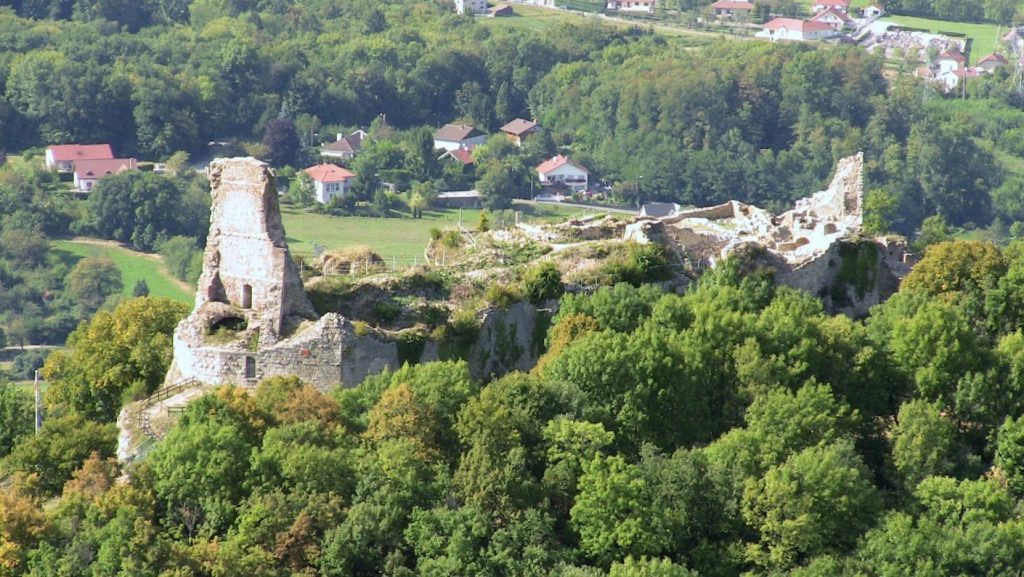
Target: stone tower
{"x":247,"y":265}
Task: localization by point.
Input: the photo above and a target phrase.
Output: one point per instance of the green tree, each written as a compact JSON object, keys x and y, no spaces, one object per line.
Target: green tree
{"x":60,"y":448}
{"x":127,"y":349}
{"x":139,"y":208}
{"x":17,"y":415}
{"x":282,"y":142}
{"x":646,"y":567}
{"x":819,"y":500}
{"x":924,"y":443}
{"x":141,"y":289}
{"x":91,"y":282}
{"x":201,"y":467}
{"x":614,"y":512}
{"x":1010,"y":452}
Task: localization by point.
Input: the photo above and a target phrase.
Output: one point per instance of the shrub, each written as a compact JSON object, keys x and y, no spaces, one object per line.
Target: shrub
{"x":543,"y":282}
{"x":503,"y":296}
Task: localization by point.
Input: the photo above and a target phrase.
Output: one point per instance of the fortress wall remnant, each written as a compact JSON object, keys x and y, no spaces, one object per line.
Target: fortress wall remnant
{"x":246,"y":263}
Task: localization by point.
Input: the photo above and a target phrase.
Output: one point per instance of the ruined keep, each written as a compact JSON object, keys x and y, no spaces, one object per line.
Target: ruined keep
{"x":252,"y":319}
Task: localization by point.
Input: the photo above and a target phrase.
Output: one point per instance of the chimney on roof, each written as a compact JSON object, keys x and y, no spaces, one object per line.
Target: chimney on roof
{"x":340,"y":136}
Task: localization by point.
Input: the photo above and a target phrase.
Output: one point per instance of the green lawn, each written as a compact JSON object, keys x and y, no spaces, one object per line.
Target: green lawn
{"x":985,"y":36}
{"x":401,"y":237}
{"x":134,"y":266}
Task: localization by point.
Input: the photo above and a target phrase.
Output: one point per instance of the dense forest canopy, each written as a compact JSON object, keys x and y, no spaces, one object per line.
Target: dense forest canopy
{"x":751,"y":121}
{"x":734,"y":429}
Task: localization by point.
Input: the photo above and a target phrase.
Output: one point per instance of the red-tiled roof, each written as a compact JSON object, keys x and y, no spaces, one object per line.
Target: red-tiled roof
{"x":798,"y":25}
{"x":999,"y":58}
{"x":843,"y":3}
{"x":73,"y":152}
{"x":834,"y":12}
{"x":557,"y":162}
{"x":328,"y":173}
{"x":952,"y":55}
{"x":463,"y":155}
{"x":456,"y":132}
{"x":519,"y":127}
{"x":732,"y":5}
{"x":100,"y":167}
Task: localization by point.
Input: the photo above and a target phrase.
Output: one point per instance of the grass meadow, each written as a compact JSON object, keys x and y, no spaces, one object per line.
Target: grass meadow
{"x":134,"y":266}
{"x":401,"y":237}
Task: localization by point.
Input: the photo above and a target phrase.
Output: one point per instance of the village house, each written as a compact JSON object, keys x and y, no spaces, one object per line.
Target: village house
{"x":62,"y":157}
{"x":839,"y":21}
{"x":990,"y":63}
{"x":822,"y":5}
{"x":454,"y":136}
{"x":88,"y":172}
{"x":470,"y":7}
{"x":795,"y":30}
{"x":463,"y":156}
{"x":329,"y":181}
{"x":519,"y":129}
{"x":345,"y":147}
{"x":634,"y":6}
{"x":873,"y":11}
{"x":560,"y":171}
{"x":732,"y":8}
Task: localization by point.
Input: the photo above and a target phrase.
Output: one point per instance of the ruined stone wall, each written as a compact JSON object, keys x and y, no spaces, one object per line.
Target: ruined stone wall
{"x":508,"y":341}
{"x":246,"y":263}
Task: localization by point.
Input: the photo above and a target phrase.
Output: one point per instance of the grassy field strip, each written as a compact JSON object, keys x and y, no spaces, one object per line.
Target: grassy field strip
{"x":403,"y":238}
{"x":134,"y":266}
{"x":985,"y":36}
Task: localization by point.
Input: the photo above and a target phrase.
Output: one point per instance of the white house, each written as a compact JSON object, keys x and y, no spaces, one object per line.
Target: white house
{"x":834,"y":18}
{"x":948,"y":68}
{"x":559,"y":170}
{"x":732,"y":8}
{"x":875,"y":10}
{"x":329,"y":181}
{"x":471,"y":7}
{"x":454,"y":136}
{"x":797,"y":30}
{"x":89,"y":172}
{"x":62,"y":157}
{"x":634,"y":6}
{"x":345,"y":146}
{"x":822,"y":5}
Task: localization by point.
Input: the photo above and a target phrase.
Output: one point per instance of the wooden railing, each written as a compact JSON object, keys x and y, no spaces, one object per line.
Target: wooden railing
{"x":143,"y":420}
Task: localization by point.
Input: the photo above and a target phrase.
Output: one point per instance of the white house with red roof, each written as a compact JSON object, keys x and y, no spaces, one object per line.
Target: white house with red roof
{"x":62,"y":157}
{"x":89,"y":172}
{"x":732,"y":8}
{"x":822,"y":5}
{"x":559,"y":170}
{"x":795,"y":30}
{"x":839,"y":21}
{"x":329,"y":181}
